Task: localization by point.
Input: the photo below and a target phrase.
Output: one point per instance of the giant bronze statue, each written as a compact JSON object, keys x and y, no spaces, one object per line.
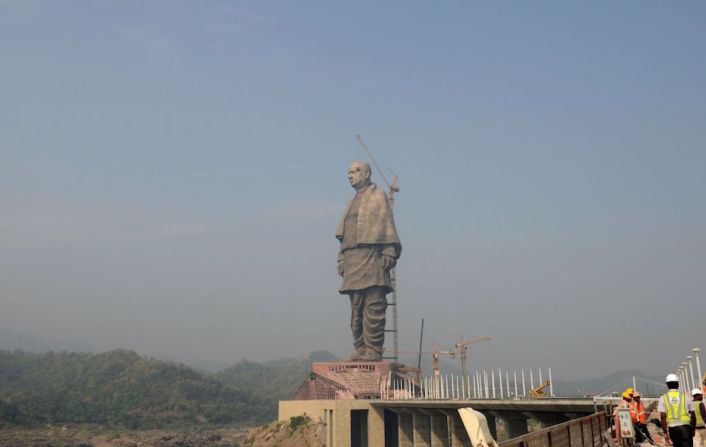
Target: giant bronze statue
{"x":369,"y":250}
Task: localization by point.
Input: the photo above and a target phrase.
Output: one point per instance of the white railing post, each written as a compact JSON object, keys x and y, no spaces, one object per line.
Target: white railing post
{"x":500,"y":379}
{"x":524,"y":392}
{"x":492,"y":380}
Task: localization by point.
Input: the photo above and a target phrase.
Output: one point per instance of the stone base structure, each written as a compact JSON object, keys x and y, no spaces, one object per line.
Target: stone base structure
{"x":373,"y":404}
{"x":348,"y":380}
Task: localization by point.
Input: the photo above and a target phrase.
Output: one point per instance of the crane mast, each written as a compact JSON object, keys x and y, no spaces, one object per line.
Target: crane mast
{"x":462,"y":347}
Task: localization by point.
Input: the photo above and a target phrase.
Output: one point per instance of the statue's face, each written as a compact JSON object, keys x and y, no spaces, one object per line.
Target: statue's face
{"x":359,"y":174}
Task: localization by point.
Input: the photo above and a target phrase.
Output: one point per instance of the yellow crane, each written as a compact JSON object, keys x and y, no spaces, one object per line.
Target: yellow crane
{"x":462,"y":347}
{"x":538,"y":391}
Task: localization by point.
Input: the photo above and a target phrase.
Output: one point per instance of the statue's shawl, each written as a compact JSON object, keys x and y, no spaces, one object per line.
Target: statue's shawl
{"x":375,"y":222}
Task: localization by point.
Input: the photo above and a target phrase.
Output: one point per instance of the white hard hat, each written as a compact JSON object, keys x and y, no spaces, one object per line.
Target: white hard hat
{"x":696,"y":391}
{"x":672,"y":378}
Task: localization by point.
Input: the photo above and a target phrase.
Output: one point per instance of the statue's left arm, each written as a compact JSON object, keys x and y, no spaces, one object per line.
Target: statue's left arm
{"x":390,"y":253}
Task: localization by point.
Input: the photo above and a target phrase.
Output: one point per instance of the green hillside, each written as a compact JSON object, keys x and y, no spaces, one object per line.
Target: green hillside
{"x":117,"y":388}
{"x":272,"y":381}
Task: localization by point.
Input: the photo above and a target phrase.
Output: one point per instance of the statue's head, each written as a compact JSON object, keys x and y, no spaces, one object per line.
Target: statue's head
{"x":359,"y":174}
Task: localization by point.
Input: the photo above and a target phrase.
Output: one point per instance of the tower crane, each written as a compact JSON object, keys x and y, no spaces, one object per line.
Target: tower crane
{"x":462,"y":347}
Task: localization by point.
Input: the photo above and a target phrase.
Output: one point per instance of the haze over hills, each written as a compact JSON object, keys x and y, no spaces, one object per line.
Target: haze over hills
{"x":11,"y":340}
{"x":123,"y":389}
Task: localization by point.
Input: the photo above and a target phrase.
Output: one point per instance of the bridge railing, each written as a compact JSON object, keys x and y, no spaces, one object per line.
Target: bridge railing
{"x":457,"y":387}
{"x":582,"y":432}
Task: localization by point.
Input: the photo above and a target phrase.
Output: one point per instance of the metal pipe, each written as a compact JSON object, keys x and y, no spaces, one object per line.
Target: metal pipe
{"x":514,"y":374}
{"x":531,"y":380}
{"x":691,"y":370}
{"x":540,"y":377}
{"x":551,"y":383}
{"x":507,"y":383}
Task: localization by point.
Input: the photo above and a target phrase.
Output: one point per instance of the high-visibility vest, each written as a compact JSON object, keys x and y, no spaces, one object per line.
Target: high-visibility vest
{"x":697,"y":412}
{"x":675,"y":404}
{"x":637,"y":412}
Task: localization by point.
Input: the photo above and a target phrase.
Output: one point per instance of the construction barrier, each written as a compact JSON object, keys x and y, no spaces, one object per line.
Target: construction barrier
{"x":583,"y":432}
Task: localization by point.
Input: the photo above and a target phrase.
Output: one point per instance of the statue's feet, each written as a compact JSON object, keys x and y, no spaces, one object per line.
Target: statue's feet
{"x":357,"y":355}
{"x":371,"y":356}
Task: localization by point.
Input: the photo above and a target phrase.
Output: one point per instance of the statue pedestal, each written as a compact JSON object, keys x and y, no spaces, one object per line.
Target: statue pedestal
{"x":347,"y":380}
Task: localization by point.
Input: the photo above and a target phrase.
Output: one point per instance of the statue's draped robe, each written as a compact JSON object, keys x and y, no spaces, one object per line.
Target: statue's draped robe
{"x":367,"y":231}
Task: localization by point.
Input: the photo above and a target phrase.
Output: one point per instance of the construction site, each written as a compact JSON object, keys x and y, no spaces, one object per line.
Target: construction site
{"x":374,"y":400}
{"x":384,"y":404}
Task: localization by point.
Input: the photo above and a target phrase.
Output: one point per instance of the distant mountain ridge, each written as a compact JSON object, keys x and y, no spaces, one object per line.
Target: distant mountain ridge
{"x":11,"y":340}
{"x":615,"y":382}
{"x":274,"y":380}
{"x":122,"y":388}
{"x":117,"y":388}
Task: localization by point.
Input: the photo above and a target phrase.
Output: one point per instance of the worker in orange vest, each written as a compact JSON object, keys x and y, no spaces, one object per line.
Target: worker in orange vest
{"x":624,"y":402}
{"x":639,"y":418}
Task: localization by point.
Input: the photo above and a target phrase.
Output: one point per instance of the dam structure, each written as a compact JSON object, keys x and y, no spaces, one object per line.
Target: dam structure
{"x":381,"y":404}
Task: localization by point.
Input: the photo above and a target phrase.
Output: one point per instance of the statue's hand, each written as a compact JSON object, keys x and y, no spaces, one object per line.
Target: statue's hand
{"x":388,"y":262}
{"x":340,"y":267}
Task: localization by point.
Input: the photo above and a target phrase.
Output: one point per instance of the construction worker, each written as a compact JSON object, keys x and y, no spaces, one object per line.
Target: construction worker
{"x":697,"y":405}
{"x":678,"y":421}
{"x":639,"y":418}
{"x":625,"y":401}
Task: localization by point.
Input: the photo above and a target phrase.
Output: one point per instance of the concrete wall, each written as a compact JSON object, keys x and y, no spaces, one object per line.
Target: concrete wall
{"x":419,"y":424}
{"x":336,"y":414}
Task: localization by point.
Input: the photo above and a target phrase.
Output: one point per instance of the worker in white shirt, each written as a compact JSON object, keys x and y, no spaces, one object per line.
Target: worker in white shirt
{"x":678,"y":420}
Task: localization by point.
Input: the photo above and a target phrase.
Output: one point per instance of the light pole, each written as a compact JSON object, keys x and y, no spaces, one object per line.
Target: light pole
{"x":698,"y":364}
{"x":691,"y":371}
{"x":685,"y":381}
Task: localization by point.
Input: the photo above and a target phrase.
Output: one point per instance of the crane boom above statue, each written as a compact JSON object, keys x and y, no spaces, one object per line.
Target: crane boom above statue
{"x":369,"y":250}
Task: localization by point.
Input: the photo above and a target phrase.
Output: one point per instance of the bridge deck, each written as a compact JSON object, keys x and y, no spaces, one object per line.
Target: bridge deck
{"x":552,"y":405}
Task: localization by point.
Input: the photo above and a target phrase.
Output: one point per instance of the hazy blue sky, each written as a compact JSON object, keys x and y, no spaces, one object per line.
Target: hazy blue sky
{"x":172,"y":174}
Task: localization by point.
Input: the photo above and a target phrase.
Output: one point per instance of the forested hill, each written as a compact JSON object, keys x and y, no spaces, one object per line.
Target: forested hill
{"x":117,"y":388}
{"x":272,"y":381}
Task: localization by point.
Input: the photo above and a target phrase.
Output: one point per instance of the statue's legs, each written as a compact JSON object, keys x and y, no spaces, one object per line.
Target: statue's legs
{"x":368,"y":309}
{"x":357,"y":308}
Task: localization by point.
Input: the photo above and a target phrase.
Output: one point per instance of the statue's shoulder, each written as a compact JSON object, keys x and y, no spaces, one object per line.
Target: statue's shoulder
{"x":375,"y":191}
